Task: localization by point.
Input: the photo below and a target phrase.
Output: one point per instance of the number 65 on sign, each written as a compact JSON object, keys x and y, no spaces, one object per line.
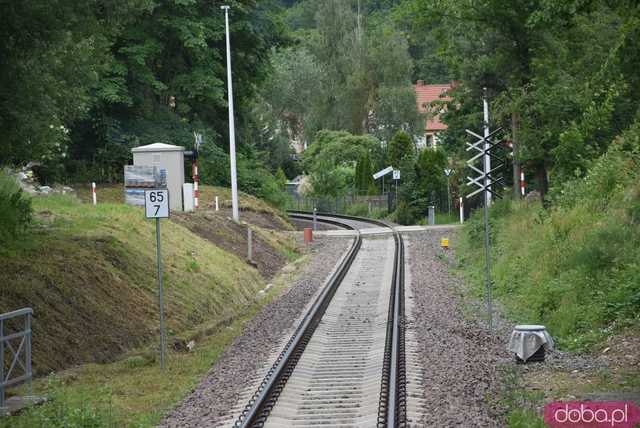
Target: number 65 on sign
{"x":156,"y":203}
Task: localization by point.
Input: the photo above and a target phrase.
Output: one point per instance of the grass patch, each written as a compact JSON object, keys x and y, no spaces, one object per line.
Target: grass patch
{"x":520,"y":405}
{"x":123,"y":394}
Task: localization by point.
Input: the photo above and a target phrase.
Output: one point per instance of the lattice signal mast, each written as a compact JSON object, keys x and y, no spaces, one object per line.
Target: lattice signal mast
{"x":489,"y":182}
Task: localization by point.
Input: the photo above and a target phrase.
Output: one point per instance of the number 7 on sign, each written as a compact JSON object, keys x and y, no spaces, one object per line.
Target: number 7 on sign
{"x":156,"y":203}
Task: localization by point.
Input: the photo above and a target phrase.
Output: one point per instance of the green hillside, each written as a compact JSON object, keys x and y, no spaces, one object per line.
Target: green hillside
{"x":574,"y":267}
{"x":89,"y":273}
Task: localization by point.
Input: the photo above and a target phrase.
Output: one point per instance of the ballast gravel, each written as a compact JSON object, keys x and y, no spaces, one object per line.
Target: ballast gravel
{"x":212,"y":400}
{"x":461,"y":359}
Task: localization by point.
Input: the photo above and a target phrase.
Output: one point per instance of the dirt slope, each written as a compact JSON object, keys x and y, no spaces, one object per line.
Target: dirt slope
{"x":89,"y":273}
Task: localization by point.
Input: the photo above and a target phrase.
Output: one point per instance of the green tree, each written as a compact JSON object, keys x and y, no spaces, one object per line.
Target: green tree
{"x":430,"y":178}
{"x":281,"y":179}
{"x":400,"y":146}
{"x":332,"y":158}
{"x":364,"y":183}
{"x":350,"y":70}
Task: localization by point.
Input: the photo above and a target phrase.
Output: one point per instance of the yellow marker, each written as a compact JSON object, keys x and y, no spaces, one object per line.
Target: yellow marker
{"x":444,"y":242}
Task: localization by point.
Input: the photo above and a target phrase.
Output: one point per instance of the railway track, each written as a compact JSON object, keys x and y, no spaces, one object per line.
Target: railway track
{"x":345,"y":364}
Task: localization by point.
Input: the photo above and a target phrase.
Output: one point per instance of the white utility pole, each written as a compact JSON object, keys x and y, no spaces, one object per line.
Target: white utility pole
{"x":487,"y":158}
{"x":232,"y":131}
{"x":487,"y":203}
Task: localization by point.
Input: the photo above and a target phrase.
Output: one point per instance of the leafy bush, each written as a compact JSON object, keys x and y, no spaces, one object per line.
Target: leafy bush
{"x":405,"y":214}
{"x":15,"y":209}
{"x":253,"y":177}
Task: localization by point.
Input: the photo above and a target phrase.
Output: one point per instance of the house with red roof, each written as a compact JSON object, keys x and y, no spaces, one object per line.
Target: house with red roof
{"x":425,"y":96}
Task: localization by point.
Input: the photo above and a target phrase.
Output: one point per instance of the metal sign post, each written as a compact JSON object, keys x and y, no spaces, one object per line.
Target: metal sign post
{"x":156,"y":205}
{"x":487,"y":149}
{"x":382,"y":173}
{"x":448,"y":172}
{"x":396,"y":178}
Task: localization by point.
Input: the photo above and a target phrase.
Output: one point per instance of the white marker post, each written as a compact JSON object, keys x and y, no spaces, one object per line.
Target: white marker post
{"x":216,"y":203}
{"x":93,"y":193}
{"x":249,"y":244}
{"x":315,"y":219}
{"x":461,"y":211}
{"x":156,"y":205}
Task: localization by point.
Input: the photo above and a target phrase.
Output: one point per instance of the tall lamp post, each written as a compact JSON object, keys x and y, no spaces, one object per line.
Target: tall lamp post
{"x":232,"y":131}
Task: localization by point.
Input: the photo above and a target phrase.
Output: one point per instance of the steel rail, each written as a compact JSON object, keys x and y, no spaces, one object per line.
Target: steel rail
{"x":392,"y":409}
{"x":263,"y":400}
{"x":381,"y":223}
{"x":392,"y":399}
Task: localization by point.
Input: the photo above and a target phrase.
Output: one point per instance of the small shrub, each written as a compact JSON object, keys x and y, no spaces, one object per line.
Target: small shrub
{"x":405,"y":214}
{"x":136,"y":361}
{"x":15,"y":209}
{"x":360,"y":209}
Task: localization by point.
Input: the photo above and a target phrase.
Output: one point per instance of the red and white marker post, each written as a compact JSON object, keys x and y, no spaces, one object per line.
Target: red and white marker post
{"x":93,"y":193}
{"x":522,"y":183}
{"x":196,"y":181}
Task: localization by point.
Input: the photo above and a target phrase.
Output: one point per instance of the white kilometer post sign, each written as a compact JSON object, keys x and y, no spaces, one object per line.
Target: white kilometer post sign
{"x":156,"y":205}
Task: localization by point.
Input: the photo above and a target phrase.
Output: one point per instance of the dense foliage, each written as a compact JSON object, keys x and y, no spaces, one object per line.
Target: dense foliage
{"x":15,"y":209}
{"x":82,"y":84}
{"x":562,"y":76}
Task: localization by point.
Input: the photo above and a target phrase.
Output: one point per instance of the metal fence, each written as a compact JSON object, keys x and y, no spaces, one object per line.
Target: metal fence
{"x":344,"y":204}
{"x":15,"y":370}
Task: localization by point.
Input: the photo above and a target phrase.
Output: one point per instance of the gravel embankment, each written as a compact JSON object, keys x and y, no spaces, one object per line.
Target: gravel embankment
{"x":459,"y":356}
{"x":217,"y":393}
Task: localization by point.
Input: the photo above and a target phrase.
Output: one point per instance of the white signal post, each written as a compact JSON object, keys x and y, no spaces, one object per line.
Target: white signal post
{"x":156,"y":205}
{"x":232,"y":131}
{"x":487,"y":203}
{"x":93,"y":193}
{"x":522,"y":183}
{"x":194,"y":170}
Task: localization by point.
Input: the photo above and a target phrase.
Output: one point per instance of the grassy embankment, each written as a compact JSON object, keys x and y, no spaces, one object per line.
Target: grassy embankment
{"x":574,"y":267}
{"x":90,"y":275}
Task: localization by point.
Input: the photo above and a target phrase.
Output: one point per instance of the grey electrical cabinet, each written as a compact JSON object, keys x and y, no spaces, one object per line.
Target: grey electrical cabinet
{"x":168,"y":160}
